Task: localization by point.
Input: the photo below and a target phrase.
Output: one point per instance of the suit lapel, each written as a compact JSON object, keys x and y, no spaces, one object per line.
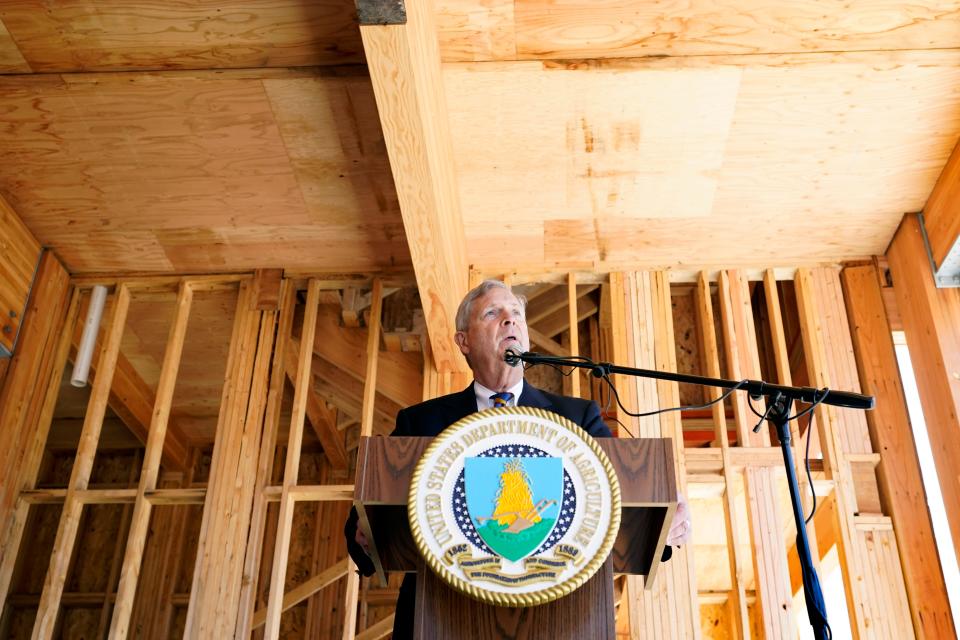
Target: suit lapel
{"x":533,"y":397}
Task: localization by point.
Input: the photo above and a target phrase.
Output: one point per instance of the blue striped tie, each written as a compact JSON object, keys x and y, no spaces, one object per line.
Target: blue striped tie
{"x":501,"y":399}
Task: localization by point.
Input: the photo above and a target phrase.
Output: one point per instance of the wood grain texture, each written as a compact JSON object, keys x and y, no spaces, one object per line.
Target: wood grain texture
{"x":617,"y":186}
{"x":47,"y":610}
{"x":11,"y":60}
{"x":404,"y":63}
{"x":585,"y":613}
{"x":19,"y":256}
{"x":940,"y":215}
{"x":27,"y":400}
{"x":901,"y":484}
{"x":931,"y":322}
{"x":202,"y":174}
{"x":123,"y":35}
{"x":614,"y":29}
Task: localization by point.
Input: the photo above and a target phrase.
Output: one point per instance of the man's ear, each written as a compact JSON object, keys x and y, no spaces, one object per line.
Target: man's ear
{"x":460,"y":337}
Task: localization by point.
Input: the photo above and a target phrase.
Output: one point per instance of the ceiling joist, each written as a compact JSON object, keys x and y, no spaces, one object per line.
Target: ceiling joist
{"x":404,"y":63}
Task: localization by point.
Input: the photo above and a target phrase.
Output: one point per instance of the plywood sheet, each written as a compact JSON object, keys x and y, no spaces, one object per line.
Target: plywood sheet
{"x":112,"y":35}
{"x":11,"y":61}
{"x":613,"y":28}
{"x":793,"y":160}
{"x":192,"y":173}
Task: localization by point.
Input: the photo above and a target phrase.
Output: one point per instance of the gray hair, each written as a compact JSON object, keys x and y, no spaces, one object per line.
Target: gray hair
{"x":463,"y":311}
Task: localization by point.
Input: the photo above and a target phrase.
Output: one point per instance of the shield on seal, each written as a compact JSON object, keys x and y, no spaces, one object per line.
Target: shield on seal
{"x":513,"y":502}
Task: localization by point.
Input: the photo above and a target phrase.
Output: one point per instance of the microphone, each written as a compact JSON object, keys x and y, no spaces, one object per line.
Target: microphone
{"x":511,"y":357}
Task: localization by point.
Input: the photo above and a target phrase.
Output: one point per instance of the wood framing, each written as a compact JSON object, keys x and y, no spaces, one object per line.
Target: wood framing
{"x":19,"y":259}
{"x":137,"y":537}
{"x":133,"y":401}
{"x":292,"y":466}
{"x":940,"y":215}
{"x":711,"y":361}
{"x":931,"y":323}
{"x":875,"y":596}
{"x":215,"y":594}
{"x":49,"y":606}
{"x":404,"y":64}
{"x":27,"y":400}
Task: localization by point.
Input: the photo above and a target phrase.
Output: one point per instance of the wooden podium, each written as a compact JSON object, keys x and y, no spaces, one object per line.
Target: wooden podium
{"x":648,"y":498}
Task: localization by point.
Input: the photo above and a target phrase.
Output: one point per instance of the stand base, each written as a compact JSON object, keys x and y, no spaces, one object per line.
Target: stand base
{"x":443,"y":612}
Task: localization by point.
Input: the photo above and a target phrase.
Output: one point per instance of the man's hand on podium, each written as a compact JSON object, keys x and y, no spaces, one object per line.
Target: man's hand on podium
{"x":681,"y":529}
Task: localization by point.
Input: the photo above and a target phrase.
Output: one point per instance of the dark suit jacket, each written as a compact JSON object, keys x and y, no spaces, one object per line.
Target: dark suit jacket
{"x":428,"y":419}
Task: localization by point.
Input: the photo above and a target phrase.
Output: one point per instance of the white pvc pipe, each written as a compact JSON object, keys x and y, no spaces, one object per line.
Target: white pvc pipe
{"x":81,"y":366}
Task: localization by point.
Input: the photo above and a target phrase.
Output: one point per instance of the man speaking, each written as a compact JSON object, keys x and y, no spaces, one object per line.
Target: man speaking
{"x":490,"y":321}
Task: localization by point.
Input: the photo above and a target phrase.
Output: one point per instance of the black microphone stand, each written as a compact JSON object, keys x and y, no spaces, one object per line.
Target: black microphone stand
{"x":778,"y":401}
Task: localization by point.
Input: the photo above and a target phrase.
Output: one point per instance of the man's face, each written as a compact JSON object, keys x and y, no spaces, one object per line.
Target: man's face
{"x":497,"y":323}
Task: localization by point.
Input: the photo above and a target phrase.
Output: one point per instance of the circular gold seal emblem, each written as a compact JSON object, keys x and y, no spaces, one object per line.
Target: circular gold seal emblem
{"x":515,"y":506}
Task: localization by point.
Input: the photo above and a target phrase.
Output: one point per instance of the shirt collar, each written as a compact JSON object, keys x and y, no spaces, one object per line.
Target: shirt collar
{"x":483,"y":395}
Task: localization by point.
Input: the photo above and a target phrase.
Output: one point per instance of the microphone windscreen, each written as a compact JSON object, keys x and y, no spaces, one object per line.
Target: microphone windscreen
{"x":511,"y":357}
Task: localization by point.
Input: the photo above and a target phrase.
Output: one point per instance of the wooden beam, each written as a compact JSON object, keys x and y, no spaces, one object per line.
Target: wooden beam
{"x":559,"y":320}
{"x":322,"y":419}
{"x":139,"y":526}
{"x":305,"y":589}
{"x":346,"y":394}
{"x":572,"y":297}
{"x":292,"y":467}
{"x":404,"y":64}
{"x":549,"y":345}
{"x":373,"y":357}
{"x":215,"y":593}
{"x":901,"y":482}
{"x":19,"y":258}
{"x":268,"y":454}
{"x":133,"y":401}
{"x":931,"y":323}
{"x":53,"y":584}
{"x":377,"y":630}
{"x":398,"y":374}
{"x":940,"y":215}
{"x":266,"y":289}
{"x":711,"y":359}
{"x":556,"y":299}
{"x":27,"y":401}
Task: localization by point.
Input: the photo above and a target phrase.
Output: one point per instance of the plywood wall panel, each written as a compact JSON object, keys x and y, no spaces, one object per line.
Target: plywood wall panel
{"x":121,"y":35}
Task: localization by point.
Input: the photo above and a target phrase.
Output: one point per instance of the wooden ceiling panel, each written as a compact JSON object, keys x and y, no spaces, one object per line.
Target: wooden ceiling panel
{"x":839,"y":139}
{"x":195,"y":173}
{"x":551,"y":29}
{"x":113,"y":35}
{"x":571,"y":144}
{"x":335,"y":144}
{"x":793,"y":160}
{"x":11,"y":60}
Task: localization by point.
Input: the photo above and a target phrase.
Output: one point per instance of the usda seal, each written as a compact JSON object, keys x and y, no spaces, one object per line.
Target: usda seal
{"x":515,"y":506}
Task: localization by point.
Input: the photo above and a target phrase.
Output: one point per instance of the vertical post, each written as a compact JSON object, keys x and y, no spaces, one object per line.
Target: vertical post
{"x":268,"y":444}
{"x":139,"y":526}
{"x":24,"y":416}
{"x":292,"y":467}
{"x":711,"y":359}
{"x":901,"y":482}
{"x":931,"y":323}
{"x":352,"y":592}
{"x":43,"y":627}
{"x":574,"y":332}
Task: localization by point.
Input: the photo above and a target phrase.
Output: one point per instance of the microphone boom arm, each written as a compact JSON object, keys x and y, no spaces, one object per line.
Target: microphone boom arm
{"x":756,"y":388}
